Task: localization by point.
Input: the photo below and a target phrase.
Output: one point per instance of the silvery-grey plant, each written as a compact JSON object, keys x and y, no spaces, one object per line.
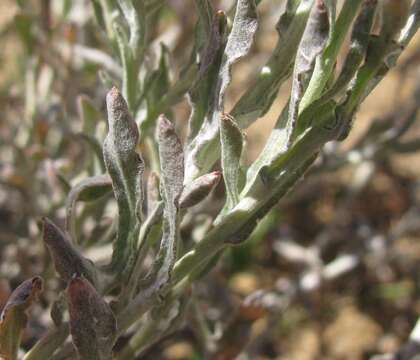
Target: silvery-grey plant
{"x":151,"y":301}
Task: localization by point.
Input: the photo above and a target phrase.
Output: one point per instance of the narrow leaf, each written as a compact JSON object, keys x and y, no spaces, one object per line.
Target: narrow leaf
{"x":92,"y":324}
{"x":203,"y":151}
{"x":125,"y":166}
{"x":313,"y":42}
{"x":13,"y":318}
{"x":172,"y":179}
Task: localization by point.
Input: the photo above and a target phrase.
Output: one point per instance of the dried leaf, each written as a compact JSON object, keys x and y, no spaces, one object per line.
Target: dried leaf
{"x":67,"y":259}
{"x":89,"y":189}
{"x":92,"y":324}
{"x":197,"y":190}
{"x":13,"y":318}
{"x":125,"y":166}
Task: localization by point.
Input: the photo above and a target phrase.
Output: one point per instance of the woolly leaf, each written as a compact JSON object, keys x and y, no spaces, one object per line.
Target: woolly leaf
{"x":13,"y":318}
{"x":203,"y":150}
{"x":313,"y":42}
{"x":172,"y":178}
{"x":198,"y":189}
{"x":125,"y":166}
{"x":66,"y":258}
{"x":92,"y":324}
{"x":231,"y":139}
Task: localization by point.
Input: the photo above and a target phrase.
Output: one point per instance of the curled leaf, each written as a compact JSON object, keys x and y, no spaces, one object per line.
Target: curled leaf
{"x":13,"y":318}
{"x":92,"y":324}
{"x":89,"y":189}
{"x":197,"y":190}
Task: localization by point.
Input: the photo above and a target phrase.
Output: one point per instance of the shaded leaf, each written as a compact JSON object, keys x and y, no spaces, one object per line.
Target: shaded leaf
{"x":125,"y":166}
{"x":93,"y":326}
{"x":13,"y":318}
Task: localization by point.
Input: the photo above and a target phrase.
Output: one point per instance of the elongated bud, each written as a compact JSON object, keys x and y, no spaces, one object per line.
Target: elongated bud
{"x":120,"y":121}
{"x":197,"y":190}
{"x":67,"y":259}
{"x":92,"y":324}
{"x":394,"y":16}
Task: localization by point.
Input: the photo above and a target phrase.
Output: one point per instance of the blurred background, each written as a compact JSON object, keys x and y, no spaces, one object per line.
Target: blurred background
{"x":336,"y":263}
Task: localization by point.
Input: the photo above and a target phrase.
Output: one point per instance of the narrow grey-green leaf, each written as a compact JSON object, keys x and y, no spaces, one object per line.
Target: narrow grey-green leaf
{"x":66,"y":257}
{"x":204,"y":149}
{"x":93,"y":326}
{"x":198,"y":189}
{"x":13,"y":318}
{"x":275,"y":145}
{"x":125,"y":166}
{"x":156,"y":85}
{"x":130,"y":76}
{"x":89,"y":189}
{"x":239,"y":42}
{"x":256,"y":101}
{"x":358,"y":47}
{"x":172,"y":178}
{"x":210,"y":45}
{"x":313,"y":42}
{"x":135,"y":17}
{"x":231,"y":139}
